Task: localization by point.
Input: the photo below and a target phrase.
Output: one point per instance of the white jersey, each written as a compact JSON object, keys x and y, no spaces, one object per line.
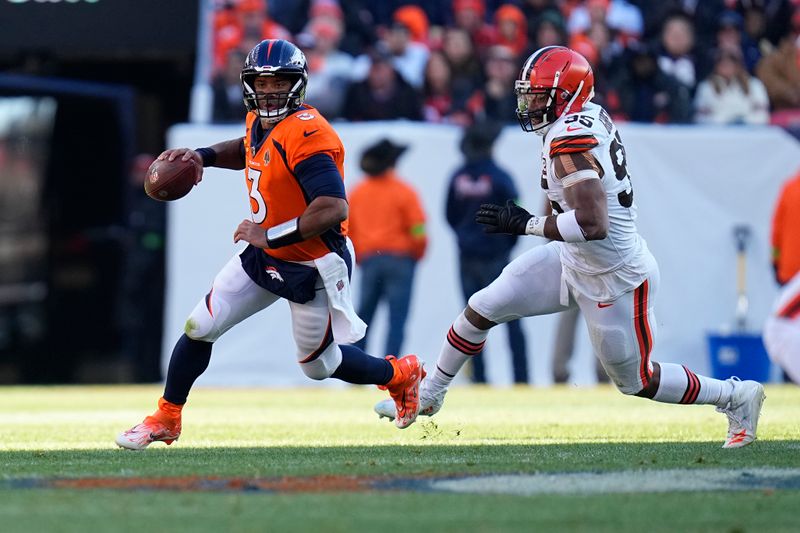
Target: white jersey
{"x":602,"y":269}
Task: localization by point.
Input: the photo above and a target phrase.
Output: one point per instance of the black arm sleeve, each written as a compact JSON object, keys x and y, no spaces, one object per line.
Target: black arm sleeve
{"x":318,"y":176}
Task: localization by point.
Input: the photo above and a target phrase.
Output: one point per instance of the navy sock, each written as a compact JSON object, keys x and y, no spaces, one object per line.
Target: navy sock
{"x":361,"y":368}
{"x":189,"y":359}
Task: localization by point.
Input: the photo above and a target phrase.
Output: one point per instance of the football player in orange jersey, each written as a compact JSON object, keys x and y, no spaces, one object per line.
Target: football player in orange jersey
{"x":298,"y":248}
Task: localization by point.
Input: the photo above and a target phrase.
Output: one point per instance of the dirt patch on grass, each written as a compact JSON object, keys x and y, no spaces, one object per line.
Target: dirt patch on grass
{"x":635,"y":481}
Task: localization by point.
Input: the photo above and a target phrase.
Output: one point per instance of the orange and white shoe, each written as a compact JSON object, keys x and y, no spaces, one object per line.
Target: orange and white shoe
{"x":430,"y":402}
{"x":743,"y":411}
{"x":164,"y":425}
{"x":404,"y":388}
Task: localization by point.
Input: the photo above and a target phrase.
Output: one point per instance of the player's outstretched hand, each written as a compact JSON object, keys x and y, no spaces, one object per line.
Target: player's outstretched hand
{"x":510,"y":218}
{"x":184,"y":154}
{"x":250,"y":232}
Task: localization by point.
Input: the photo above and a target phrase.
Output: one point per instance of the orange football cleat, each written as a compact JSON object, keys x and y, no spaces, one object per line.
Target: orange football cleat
{"x":163,"y":425}
{"x":404,"y":388}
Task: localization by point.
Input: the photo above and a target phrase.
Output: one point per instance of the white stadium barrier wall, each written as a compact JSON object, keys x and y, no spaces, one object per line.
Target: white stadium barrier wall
{"x":692,"y":185}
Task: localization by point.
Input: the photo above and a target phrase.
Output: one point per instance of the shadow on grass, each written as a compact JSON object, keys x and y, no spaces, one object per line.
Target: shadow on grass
{"x":406,"y":460}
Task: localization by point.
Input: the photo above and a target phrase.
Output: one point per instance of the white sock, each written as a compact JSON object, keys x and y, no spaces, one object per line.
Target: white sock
{"x":463,"y":340}
{"x":678,"y":384}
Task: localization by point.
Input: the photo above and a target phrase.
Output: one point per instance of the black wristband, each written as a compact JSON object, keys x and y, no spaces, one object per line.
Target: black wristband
{"x":284,"y":234}
{"x":209,"y":156}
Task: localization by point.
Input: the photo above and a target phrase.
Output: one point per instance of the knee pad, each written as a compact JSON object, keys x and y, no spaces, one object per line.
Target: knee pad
{"x":200,"y":325}
{"x":619,"y":357}
{"x":325,"y":365}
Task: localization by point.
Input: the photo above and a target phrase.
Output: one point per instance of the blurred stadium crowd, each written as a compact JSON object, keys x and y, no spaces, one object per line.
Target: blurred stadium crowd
{"x":455,"y":61}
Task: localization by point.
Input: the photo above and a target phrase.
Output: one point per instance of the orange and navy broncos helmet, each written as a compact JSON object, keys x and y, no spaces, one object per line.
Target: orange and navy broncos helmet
{"x":274,"y":57}
{"x":558,"y":76}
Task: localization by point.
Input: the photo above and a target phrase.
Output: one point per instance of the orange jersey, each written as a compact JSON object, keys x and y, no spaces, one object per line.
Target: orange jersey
{"x":786,"y":231}
{"x":276,"y":195}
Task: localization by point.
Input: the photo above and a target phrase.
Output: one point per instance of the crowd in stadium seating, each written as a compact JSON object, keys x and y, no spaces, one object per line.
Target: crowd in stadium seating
{"x":455,"y":61}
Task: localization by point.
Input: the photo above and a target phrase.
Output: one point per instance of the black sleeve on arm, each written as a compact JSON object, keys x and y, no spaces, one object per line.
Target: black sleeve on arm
{"x":242,"y":153}
{"x":318,"y":176}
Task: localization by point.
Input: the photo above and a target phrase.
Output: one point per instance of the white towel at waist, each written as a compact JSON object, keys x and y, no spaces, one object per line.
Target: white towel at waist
{"x":347,"y":326}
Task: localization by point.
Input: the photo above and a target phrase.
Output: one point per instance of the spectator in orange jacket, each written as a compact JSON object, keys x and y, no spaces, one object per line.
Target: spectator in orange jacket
{"x":786,"y":232}
{"x":387,"y":227}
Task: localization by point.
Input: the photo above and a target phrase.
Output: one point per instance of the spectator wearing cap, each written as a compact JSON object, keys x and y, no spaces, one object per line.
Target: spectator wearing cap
{"x":511,"y":29}
{"x":621,"y":16}
{"x":730,"y":95}
{"x":754,"y":37}
{"x":408,"y":57}
{"x":387,"y":227}
{"x":470,"y":16}
{"x":251,"y":23}
{"x":731,"y":37}
{"x":384,"y":94}
{"x":415,"y":19}
{"x":482,"y":257}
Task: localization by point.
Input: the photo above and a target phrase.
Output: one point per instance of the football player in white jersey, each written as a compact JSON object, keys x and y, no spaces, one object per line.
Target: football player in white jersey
{"x":782,"y":330}
{"x":596,"y":260}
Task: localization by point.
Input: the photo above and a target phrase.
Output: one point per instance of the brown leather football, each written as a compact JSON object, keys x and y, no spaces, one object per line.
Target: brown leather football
{"x":169,"y":180}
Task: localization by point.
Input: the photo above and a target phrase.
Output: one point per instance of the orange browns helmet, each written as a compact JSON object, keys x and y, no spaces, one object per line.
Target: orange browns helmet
{"x":563,"y":81}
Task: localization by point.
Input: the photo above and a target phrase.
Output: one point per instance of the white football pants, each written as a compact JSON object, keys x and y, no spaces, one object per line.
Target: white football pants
{"x":622,"y":332}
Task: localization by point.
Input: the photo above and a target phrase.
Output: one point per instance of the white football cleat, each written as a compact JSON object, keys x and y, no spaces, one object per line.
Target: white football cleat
{"x":742,"y":411}
{"x":429,"y":404}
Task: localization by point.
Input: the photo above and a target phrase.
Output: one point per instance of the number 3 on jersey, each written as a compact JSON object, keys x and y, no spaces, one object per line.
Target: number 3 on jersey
{"x":257,"y":203}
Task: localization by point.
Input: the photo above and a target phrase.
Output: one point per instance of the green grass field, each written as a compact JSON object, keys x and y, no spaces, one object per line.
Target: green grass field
{"x":67,"y":432}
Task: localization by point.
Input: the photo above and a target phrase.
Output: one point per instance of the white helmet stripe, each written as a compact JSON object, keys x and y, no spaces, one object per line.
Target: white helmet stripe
{"x":528,"y":66}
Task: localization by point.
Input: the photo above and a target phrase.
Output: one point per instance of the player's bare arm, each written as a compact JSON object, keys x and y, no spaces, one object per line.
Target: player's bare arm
{"x":322,"y":214}
{"x":225,"y":154}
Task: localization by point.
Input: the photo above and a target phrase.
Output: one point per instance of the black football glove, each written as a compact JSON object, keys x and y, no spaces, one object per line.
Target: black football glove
{"x":510,"y":218}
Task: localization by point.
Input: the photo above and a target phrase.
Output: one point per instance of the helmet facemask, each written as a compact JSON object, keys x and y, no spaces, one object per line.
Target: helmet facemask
{"x":536,"y":119}
{"x":540,"y":119}
{"x":273,"y":107}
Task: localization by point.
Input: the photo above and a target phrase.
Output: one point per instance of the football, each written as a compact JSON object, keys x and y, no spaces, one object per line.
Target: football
{"x":169,"y":180}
